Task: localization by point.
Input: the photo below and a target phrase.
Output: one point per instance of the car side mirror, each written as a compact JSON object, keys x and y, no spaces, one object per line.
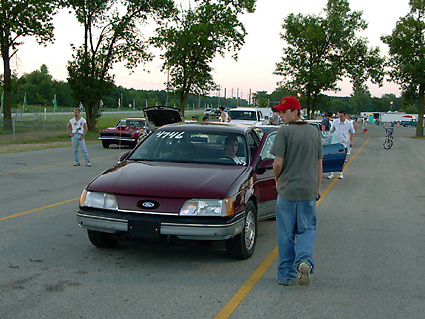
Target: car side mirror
{"x":264,"y":165}
{"x":123,"y":156}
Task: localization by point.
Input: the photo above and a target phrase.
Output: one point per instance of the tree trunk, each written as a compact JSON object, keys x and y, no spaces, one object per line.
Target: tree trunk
{"x":7,"y":87}
{"x":420,"y":110}
{"x":91,"y":114}
{"x":183,"y":101}
{"x":308,"y":100}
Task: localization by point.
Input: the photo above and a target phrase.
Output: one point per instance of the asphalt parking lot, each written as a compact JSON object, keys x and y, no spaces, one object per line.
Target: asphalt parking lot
{"x":369,"y":249}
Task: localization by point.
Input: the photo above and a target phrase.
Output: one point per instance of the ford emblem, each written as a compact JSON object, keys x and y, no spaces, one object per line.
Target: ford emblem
{"x":148,"y":204}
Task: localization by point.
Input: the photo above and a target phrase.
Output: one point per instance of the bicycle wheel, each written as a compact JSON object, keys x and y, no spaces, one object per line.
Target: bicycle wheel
{"x":388,"y":143}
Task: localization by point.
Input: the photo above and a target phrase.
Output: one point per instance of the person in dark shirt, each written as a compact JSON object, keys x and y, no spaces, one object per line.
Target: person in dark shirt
{"x":327,"y":121}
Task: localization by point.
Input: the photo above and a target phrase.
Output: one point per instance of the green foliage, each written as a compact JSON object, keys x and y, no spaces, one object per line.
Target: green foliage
{"x":321,"y":50}
{"x":193,"y":37}
{"x":111,"y":35}
{"x":261,"y":99}
{"x":18,"y":19}
{"x":407,"y":57}
{"x":409,"y":109}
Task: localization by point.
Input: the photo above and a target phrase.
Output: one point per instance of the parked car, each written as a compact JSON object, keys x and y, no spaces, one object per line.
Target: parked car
{"x":127,"y":131}
{"x":178,"y":184}
{"x":247,"y":115}
{"x":413,"y":123}
{"x":212,"y":112}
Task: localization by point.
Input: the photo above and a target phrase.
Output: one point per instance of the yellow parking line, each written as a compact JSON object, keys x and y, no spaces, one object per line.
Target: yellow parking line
{"x":43,"y":167}
{"x":38,"y":209}
{"x":246,"y":288}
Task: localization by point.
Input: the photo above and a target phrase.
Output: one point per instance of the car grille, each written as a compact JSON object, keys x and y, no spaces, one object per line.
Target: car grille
{"x":115,"y":134}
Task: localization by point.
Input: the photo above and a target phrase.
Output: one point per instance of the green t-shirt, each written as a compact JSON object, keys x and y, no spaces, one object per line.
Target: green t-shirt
{"x":300,"y":146}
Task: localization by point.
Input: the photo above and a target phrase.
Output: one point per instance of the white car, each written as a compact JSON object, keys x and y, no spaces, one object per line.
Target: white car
{"x":248,"y":115}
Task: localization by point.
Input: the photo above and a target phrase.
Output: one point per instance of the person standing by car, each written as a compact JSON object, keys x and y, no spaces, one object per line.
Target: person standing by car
{"x":224,"y":117}
{"x":345,"y":131}
{"x":274,"y":118}
{"x":327,"y":121}
{"x":77,"y":129}
{"x":297,"y":169}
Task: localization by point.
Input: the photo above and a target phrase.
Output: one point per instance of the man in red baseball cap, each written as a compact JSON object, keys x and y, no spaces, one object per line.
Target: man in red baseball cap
{"x":297,"y":169}
{"x":287,"y":103}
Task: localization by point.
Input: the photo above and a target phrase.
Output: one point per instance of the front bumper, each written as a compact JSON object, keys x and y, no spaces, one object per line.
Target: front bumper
{"x":117,"y":139}
{"x":192,"y":229}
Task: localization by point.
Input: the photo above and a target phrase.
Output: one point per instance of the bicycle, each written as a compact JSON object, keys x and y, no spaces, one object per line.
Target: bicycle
{"x":388,"y":143}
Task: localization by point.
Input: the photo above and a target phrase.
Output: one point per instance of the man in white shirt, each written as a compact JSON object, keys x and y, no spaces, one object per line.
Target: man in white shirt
{"x":77,"y":129}
{"x":345,"y":131}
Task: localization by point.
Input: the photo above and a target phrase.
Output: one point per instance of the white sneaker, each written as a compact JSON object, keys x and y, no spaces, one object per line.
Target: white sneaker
{"x":341,"y":176}
{"x":331,"y":175}
{"x":348,"y":151}
{"x":304,"y":271}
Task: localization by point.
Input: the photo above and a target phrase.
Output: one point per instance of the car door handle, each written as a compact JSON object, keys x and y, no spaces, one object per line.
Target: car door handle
{"x":341,"y":149}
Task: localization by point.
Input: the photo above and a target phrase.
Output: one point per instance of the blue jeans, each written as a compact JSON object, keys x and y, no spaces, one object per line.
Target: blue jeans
{"x":296,"y":229}
{"x":75,"y":142}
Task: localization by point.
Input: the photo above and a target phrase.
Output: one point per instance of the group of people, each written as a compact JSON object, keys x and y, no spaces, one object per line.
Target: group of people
{"x":298,"y":175}
{"x":345,"y":129}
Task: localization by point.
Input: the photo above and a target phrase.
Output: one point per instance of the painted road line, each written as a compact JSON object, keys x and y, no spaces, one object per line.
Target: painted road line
{"x":38,"y":209}
{"x":246,"y":288}
{"x":50,"y":166}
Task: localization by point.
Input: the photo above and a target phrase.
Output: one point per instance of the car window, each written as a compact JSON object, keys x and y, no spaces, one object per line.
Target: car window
{"x":252,"y":144}
{"x":265,"y":152}
{"x":243,"y":115}
{"x":122,"y":123}
{"x":193,"y":146}
{"x":329,"y":138}
{"x":259,"y":131}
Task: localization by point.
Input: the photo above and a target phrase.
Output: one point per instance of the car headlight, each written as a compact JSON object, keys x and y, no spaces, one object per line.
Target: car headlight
{"x":207,"y":207}
{"x":98,"y":200}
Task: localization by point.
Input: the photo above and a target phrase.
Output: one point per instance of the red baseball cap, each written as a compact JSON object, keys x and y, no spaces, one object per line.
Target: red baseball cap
{"x":286,"y":103}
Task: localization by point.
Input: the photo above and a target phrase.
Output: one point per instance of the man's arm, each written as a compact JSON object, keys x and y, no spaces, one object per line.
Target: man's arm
{"x":85,"y":131}
{"x":277,"y":167}
{"x":320,"y":173}
{"x":69,"y":129}
{"x":351,"y":139}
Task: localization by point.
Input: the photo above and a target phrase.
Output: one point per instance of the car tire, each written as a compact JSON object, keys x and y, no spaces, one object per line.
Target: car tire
{"x":102,"y":240}
{"x":105,"y":144}
{"x":242,"y":246}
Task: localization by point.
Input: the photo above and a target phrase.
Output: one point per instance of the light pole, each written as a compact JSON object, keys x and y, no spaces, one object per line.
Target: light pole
{"x":391,"y":106}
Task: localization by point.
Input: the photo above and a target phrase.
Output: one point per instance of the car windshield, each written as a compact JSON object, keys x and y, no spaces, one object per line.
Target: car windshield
{"x":193,"y":146}
{"x":132,"y":123}
{"x":243,"y":115}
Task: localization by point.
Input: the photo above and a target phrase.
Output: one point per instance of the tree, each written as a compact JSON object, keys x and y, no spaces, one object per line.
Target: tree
{"x":261,"y":99}
{"x":19,"y":19}
{"x":111,"y":35}
{"x":407,"y":59}
{"x":361,"y":99}
{"x":194,"y":37}
{"x":322,"y":50}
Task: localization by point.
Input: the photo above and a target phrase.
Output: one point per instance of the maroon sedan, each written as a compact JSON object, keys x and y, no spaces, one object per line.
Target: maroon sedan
{"x":190,"y":181}
{"x":126,"y":132}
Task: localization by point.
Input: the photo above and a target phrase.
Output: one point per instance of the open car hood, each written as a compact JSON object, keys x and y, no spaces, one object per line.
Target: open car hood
{"x":158,"y":116}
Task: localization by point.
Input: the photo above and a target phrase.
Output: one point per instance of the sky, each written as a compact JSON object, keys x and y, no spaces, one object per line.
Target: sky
{"x":252,"y":72}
